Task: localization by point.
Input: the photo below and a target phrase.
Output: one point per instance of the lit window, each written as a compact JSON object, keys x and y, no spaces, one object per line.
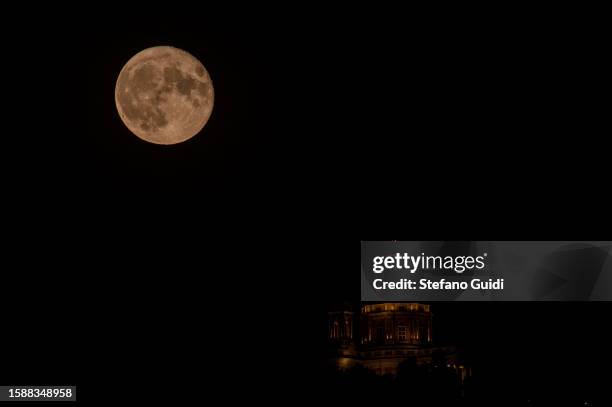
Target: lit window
{"x":335,"y":330}
{"x":402,"y":333}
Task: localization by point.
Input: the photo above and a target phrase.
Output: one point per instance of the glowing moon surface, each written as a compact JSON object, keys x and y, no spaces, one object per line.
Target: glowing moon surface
{"x":164,"y":95}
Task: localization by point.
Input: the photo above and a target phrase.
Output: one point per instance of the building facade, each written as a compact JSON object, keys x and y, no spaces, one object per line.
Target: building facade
{"x":382,"y":336}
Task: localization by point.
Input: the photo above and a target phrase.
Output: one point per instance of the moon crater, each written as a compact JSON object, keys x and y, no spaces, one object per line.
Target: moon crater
{"x":164,"y":95}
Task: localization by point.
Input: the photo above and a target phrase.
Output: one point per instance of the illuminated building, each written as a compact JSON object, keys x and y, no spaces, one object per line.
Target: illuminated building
{"x":381,"y":336}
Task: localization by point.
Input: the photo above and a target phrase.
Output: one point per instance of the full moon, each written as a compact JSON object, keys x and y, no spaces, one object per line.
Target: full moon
{"x":164,"y":95}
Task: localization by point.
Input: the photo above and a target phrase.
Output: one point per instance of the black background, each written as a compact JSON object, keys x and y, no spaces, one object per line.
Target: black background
{"x":126,"y":262}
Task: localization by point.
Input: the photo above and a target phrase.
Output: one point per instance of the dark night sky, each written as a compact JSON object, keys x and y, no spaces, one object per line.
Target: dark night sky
{"x":329,"y":126}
